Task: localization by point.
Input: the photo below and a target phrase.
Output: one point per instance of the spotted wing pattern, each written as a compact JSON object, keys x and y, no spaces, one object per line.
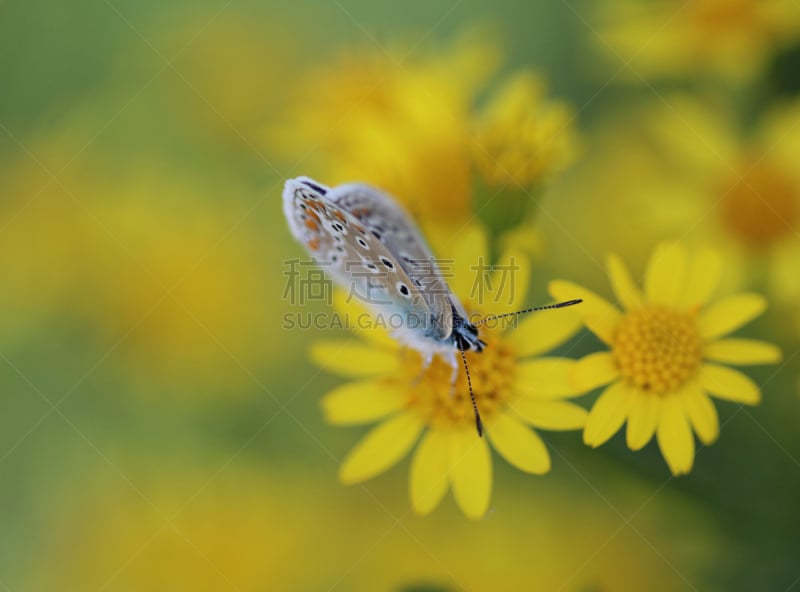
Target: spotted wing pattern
{"x":351,"y":254}
{"x":385,"y":220}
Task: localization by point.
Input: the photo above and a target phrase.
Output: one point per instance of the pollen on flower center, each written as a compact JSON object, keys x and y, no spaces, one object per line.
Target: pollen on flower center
{"x":762,"y":206}
{"x":657,"y":349}
{"x":443,"y":403}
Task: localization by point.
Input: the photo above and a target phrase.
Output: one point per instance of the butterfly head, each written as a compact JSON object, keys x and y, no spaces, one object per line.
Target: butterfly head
{"x":465,"y":335}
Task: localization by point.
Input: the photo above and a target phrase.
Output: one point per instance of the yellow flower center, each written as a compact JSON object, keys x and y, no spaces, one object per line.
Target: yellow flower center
{"x":762,"y":206}
{"x":442,"y":402}
{"x":657,"y":349}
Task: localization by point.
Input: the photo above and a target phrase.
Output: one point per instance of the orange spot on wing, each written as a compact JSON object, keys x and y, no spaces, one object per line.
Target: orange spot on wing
{"x":318,"y":207}
{"x":313,"y":244}
{"x":311,"y":225}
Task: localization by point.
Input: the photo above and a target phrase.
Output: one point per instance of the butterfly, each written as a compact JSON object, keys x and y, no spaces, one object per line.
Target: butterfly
{"x":367,"y":243}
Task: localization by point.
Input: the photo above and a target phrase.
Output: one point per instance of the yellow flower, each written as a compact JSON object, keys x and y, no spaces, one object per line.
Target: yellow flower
{"x":155,"y":272}
{"x":401,"y":124}
{"x":198,"y":529}
{"x":521,"y":138}
{"x":667,"y":350}
{"x":729,"y":38}
{"x":45,"y":237}
{"x":181,"y":291}
{"x":513,"y":389}
{"x":410,"y":125}
{"x":704,"y":181}
{"x":179,"y":530}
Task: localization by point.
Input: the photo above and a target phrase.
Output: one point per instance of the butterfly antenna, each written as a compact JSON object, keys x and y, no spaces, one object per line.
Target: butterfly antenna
{"x":478,"y":423}
{"x":527,"y":310}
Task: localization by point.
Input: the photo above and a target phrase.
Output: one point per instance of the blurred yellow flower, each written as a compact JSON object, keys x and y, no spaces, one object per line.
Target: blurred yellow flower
{"x":410,"y":125}
{"x":521,"y":137}
{"x":513,"y":389}
{"x":164,"y":287}
{"x":45,"y":239}
{"x":683,"y":168}
{"x":667,"y":348}
{"x":178,"y":288}
{"x":250,"y":529}
{"x":732,"y":39}
{"x":186,"y":531}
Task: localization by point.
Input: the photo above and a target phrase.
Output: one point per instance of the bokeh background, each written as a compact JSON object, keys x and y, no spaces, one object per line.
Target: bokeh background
{"x":159,"y":427}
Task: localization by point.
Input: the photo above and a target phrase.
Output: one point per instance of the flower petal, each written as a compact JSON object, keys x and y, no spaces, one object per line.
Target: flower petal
{"x":675,"y":436}
{"x":509,"y":283}
{"x":701,"y":413}
{"x":470,"y":467}
{"x":357,"y":317}
{"x":361,"y":402}
{"x":665,"y":275}
{"x":729,"y":384}
{"x":429,"y":476}
{"x":546,"y":377}
{"x":594,"y":370}
{"x":351,"y":358}
{"x":462,"y":258}
{"x":542,"y":331}
{"x":703,"y":272}
{"x":729,"y":314}
{"x":742,"y":351}
{"x":599,"y":315}
{"x":550,"y":415}
{"x":642,"y":419}
{"x":381,"y":448}
{"x":518,"y":444}
{"x":607,"y":414}
{"x":625,"y":289}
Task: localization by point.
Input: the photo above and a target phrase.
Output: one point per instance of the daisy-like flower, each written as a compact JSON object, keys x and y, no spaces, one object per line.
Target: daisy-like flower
{"x":705,"y":179}
{"x":668,"y":350}
{"x":514,"y":390}
{"x":411,"y":122}
{"x":521,"y":140}
{"x":523,"y":137}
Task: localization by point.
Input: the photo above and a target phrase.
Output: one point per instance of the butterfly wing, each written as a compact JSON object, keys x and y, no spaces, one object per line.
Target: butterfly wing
{"x":353,"y":256}
{"x":389,"y":224}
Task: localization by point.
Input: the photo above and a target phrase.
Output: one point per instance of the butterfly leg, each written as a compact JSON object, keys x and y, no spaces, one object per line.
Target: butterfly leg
{"x":427,"y":358}
{"x":451,"y":359}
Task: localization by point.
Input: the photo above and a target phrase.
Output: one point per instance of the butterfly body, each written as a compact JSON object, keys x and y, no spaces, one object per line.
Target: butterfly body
{"x":370,"y":246}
